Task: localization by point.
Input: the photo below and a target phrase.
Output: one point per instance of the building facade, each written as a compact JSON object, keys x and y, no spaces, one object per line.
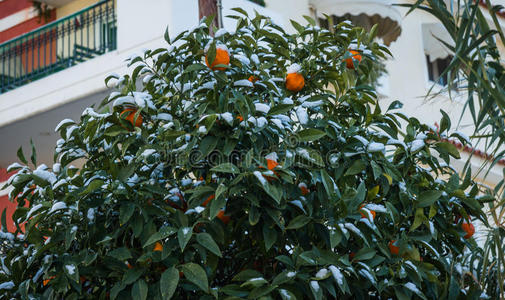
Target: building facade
{"x":53,"y":60}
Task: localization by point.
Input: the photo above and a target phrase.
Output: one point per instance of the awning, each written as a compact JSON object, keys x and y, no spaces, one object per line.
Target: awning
{"x":364,"y":13}
{"x":433,"y":34}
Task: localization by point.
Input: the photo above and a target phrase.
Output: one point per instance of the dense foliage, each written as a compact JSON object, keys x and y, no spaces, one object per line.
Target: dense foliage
{"x":203,"y":183}
{"x":477,"y":76}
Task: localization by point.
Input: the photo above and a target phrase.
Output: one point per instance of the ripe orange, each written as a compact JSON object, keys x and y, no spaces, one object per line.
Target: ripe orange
{"x":468,"y":228}
{"x":222,"y":58}
{"x":129,"y":265}
{"x":356,"y":56}
{"x":158,"y":247}
{"x":303,"y":188}
{"x":271,"y":164}
{"x":222,"y":217}
{"x":253,"y":78}
{"x":395,"y":250}
{"x":208,"y":200}
{"x":129,"y":115}
{"x":295,"y":82}
{"x":46,"y":281}
{"x":363,"y":215}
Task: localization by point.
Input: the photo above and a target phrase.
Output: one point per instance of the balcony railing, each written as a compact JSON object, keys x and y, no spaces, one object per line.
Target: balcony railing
{"x":58,"y":45}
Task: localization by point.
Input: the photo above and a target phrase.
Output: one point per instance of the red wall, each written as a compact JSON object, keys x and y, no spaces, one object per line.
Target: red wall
{"x":11,"y":207}
{"x":24,"y":27}
{"x":9,"y":7}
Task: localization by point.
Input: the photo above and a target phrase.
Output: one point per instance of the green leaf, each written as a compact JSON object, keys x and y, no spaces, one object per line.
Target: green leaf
{"x":317,"y":291}
{"x":280,"y":109}
{"x":71,"y":271}
{"x":125,"y":212}
{"x":194,"y":67}
{"x":168,"y":283}
{"x":419,"y":219}
{"x":184,"y":235}
{"x":449,"y":148}
{"x":21,"y":156}
{"x":164,"y":232}
{"x":33,"y":157}
{"x":365,"y":254}
{"x":94,"y":185}
{"x":196,"y":274}
{"x":269,"y":236}
{"x":246,"y":275}
{"x":327,"y":182}
{"x":208,"y":242}
{"x":139,"y":290}
{"x":298,"y":222}
{"x":309,"y":135}
{"x":132,"y":275}
{"x":357,"y":167}
{"x":226,"y":168}
{"x":120,"y":253}
{"x":427,"y":198}
{"x":285,"y":294}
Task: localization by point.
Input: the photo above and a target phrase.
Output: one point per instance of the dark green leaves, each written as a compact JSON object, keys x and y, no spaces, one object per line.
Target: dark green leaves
{"x":226,"y":168}
{"x":427,"y":198}
{"x":168,"y":283}
{"x":183,"y":236}
{"x":196,"y":274}
{"x":139,"y":290}
{"x":309,"y":135}
{"x":208,"y":242}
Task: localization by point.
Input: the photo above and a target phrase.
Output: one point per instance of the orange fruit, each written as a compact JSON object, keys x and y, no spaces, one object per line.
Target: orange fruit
{"x":46,"y":281}
{"x":222,"y":58}
{"x":363,"y":215}
{"x":253,"y":78}
{"x":295,"y":82}
{"x":393,"y":248}
{"x":240,"y":119}
{"x":158,"y":247}
{"x":271,"y":164}
{"x":129,"y":115}
{"x":208,"y":200}
{"x":222,"y":217}
{"x":468,"y":228}
{"x":129,"y":265}
{"x":303,"y":188}
{"x":356,"y":56}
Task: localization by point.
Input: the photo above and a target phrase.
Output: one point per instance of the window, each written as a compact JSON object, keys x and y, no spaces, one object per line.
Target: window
{"x":436,"y":68}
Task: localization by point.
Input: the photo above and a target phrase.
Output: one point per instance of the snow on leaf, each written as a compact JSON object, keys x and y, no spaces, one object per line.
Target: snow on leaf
{"x":301,"y":114}
{"x":63,"y":122}
{"x":315,"y":285}
{"x":70,"y":269}
{"x":244,"y":83}
{"x":375,"y":147}
{"x":322,"y":273}
{"x":220,"y":33}
{"x":58,"y":206}
{"x":260,"y":177}
{"x":6,"y":285}
{"x":262,"y":107}
{"x":416,"y":145}
{"x":227,"y":117}
{"x":43,"y":174}
{"x":337,"y":275}
{"x":294,"y":68}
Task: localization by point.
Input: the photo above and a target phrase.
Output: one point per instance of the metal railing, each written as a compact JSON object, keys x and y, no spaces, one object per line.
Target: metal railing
{"x":58,"y":45}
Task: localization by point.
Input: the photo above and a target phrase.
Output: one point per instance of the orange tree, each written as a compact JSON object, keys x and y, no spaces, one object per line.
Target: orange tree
{"x":255,"y":164}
